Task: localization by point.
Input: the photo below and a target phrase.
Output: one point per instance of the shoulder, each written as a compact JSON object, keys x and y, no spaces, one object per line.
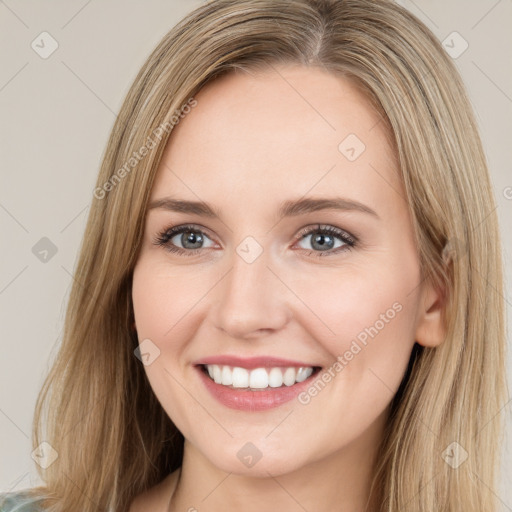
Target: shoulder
{"x":19,"y":502}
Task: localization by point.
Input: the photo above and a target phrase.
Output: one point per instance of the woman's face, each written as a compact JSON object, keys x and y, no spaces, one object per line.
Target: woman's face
{"x":258,"y":277}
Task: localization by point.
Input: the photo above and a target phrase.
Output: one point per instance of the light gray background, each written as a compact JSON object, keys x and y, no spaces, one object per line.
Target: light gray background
{"x":56,"y":116}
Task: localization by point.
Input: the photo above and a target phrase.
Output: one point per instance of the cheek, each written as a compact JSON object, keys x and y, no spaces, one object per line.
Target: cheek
{"x":353,"y":304}
{"x":373,"y":316}
{"x":163,"y":299}
{"x":365,"y":319}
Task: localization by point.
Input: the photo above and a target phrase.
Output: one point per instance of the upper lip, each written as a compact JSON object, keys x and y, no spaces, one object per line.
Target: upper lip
{"x":252,"y":362}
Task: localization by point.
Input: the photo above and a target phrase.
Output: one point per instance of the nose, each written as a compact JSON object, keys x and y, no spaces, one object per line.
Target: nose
{"x":251,"y":300}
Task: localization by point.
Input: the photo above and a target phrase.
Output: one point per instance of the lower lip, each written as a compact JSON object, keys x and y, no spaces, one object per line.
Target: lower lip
{"x":247,"y":400}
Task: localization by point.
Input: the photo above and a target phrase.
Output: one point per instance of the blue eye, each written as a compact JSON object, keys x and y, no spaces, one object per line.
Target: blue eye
{"x":189,"y":235}
{"x":192,"y":239}
{"x":324,"y":239}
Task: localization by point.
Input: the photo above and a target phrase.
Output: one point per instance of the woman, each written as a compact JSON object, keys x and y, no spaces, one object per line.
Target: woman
{"x":332,"y":338}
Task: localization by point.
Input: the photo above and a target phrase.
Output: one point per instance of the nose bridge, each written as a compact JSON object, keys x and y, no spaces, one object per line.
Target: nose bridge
{"x":251,"y":297}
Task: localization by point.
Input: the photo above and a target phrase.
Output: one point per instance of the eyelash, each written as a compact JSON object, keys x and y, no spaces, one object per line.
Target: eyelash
{"x":163,"y":238}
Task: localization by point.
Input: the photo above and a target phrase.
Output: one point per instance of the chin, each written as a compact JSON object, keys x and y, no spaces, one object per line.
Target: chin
{"x":256,"y":459}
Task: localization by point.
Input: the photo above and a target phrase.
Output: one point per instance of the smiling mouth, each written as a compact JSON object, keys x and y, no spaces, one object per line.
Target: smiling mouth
{"x":257,"y":379}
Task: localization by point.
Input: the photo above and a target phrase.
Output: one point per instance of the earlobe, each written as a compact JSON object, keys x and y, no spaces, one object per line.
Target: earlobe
{"x":431,"y":328}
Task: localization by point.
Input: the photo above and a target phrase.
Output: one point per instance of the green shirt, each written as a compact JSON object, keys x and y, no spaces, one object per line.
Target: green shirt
{"x":18,"y":502}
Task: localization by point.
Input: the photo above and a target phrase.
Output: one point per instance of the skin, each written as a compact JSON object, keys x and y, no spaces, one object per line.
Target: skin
{"x":253,"y":141}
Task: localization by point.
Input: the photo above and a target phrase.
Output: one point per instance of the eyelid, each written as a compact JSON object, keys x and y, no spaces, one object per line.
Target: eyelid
{"x":349,"y":241}
{"x":329,"y":228}
{"x":172,"y":231}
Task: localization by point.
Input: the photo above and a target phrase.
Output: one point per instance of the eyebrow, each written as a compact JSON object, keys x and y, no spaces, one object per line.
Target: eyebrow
{"x":289,"y":208}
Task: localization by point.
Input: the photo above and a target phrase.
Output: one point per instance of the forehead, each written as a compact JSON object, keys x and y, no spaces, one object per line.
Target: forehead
{"x":284,"y":131}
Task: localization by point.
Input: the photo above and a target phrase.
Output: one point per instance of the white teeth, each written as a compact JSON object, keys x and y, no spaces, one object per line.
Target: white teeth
{"x":240,"y":377}
{"x":303,"y":374}
{"x":258,"y":378}
{"x":289,"y":376}
{"x":227,"y":377}
{"x":275,"y":378}
{"x":217,"y":374}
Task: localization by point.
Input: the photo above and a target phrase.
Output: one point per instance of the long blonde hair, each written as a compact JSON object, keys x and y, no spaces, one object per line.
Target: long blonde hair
{"x":97,"y":409}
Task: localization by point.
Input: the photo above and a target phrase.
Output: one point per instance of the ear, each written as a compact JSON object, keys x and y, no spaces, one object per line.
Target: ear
{"x":431,"y":328}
